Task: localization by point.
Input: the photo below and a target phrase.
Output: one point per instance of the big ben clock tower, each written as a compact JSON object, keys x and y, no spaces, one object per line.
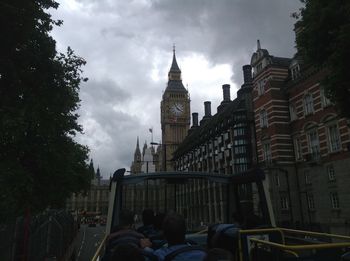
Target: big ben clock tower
{"x":175,"y":114}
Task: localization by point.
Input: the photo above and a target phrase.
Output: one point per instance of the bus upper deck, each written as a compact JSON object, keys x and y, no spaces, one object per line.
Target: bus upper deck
{"x":208,"y":198}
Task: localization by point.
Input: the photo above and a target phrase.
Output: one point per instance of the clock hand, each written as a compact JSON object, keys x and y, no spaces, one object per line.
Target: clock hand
{"x":178,"y":107}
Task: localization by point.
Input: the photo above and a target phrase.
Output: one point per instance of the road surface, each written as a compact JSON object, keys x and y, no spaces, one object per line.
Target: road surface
{"x":89,"y":238}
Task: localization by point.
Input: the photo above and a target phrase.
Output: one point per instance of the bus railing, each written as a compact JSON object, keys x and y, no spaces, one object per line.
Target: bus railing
{"x":100,"y":250}
{"x":274,"y":243}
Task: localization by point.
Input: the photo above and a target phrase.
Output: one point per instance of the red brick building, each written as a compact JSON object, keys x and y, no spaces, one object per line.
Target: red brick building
{"x":302,"y":143}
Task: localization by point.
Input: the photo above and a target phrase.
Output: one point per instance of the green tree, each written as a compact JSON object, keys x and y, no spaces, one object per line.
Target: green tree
{"x":40,"y":163}
{"x":324,"y":41}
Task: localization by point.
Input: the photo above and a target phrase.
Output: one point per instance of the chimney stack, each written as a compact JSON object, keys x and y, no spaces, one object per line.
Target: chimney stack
{"x":226,"y":92}
{"x":195,"y":119}
{"x":247,"y":73}
{"x":207,"y":109}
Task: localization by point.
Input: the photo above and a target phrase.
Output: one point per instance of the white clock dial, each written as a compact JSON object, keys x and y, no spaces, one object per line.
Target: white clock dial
{"x":177,"y":108}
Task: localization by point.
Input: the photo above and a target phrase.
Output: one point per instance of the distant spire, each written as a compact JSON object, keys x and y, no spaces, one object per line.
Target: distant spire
{"x":137,"y":153}
{"x":91,"y":169}
{"x":174,"y":66}
{"x":258,"y":42}
{"x":98,"y":174}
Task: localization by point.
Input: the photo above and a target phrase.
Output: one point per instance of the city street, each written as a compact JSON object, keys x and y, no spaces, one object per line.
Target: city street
{"x":89,"y":238}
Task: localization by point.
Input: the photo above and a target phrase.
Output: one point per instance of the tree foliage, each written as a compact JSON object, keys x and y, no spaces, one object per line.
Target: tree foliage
{"x":40,"y":163}
{"x":324,"y":41}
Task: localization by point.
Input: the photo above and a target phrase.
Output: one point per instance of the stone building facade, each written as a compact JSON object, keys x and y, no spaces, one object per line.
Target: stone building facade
{"x":302,"y":144}
{"x":147,"y":161}
{"x":222,"y":143}
{"x":95,"y":200}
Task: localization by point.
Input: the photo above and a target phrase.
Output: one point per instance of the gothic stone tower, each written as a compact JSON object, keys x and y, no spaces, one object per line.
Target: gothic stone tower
{"x":175,"y":114}
{"x":136,"y":164}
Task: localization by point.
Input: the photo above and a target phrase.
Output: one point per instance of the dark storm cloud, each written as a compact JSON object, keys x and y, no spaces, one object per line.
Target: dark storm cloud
{"x":128,"y":48}
{"x":227,"y":30}
{"x":104,"y":91}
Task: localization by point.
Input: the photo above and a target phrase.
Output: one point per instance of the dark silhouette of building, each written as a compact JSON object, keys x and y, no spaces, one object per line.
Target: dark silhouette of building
{"x":223,"y":143}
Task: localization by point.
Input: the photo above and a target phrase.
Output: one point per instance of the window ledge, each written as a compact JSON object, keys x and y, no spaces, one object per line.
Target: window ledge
{"x":324,"y":106}
{"x":309,"y":114}
{"x":336,"y":210}
{"x":335,"y":152}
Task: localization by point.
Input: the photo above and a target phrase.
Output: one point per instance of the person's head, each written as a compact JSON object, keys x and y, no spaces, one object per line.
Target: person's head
{"x":126,"y":252}
{"x":174,"y":228}
{"x":224,"y":237}
{"x":126,"y":218}
{"x":147,"y":217}
{"x":158,"y":221}
{"x":237,"y":218}
{"x":218,"y":254}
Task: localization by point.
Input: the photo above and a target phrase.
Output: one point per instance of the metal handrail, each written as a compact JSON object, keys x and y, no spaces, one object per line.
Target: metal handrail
{"x":293,"y":231}
{"x":99,"y":249}
{"x":301,"y":247}
{"x":264,"y":230}
{"x":291,"y":249}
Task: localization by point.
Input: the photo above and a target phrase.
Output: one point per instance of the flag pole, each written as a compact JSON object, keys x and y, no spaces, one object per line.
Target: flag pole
{"x":151,"y":131}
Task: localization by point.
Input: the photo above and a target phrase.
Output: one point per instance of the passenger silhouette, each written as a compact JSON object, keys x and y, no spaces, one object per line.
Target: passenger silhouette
{"x":126,"y":252}
{"x":219,"y":254}
{"x":123,"y":234}
{"x":174,"y":228}
{"x":148,"y":218}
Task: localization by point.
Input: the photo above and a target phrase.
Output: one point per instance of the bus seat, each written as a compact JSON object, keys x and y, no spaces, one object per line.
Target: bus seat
{"x":223,"y":236}
{"x":187,"y":253}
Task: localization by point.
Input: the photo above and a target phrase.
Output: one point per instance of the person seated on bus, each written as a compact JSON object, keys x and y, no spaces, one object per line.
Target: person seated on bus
{"x":219,"y":254}
{"x":123,"y":234}
{"x":174,"y":228}
{"x":126,"y":252}
{"x":224,"y":236}
{"x":158,"y":239}
{"x":147,"y":229}
{"x":158,"y":222}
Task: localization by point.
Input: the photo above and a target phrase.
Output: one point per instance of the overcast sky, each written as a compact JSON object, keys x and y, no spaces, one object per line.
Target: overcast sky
{"x":128,"y":48}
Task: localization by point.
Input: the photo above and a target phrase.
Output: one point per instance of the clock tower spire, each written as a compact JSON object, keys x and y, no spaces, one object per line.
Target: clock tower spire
{"x":175,"y":114}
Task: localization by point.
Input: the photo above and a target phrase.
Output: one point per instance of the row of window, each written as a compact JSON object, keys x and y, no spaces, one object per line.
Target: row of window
{"x":308,"y":104}
{"x":330,"y":174}
{"x":333,"y":138}
{"x":333,"y":196}
{"x":308,"y":108}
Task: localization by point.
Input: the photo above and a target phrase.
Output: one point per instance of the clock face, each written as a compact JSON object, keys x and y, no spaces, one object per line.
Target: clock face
{"x":177,"y":108}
